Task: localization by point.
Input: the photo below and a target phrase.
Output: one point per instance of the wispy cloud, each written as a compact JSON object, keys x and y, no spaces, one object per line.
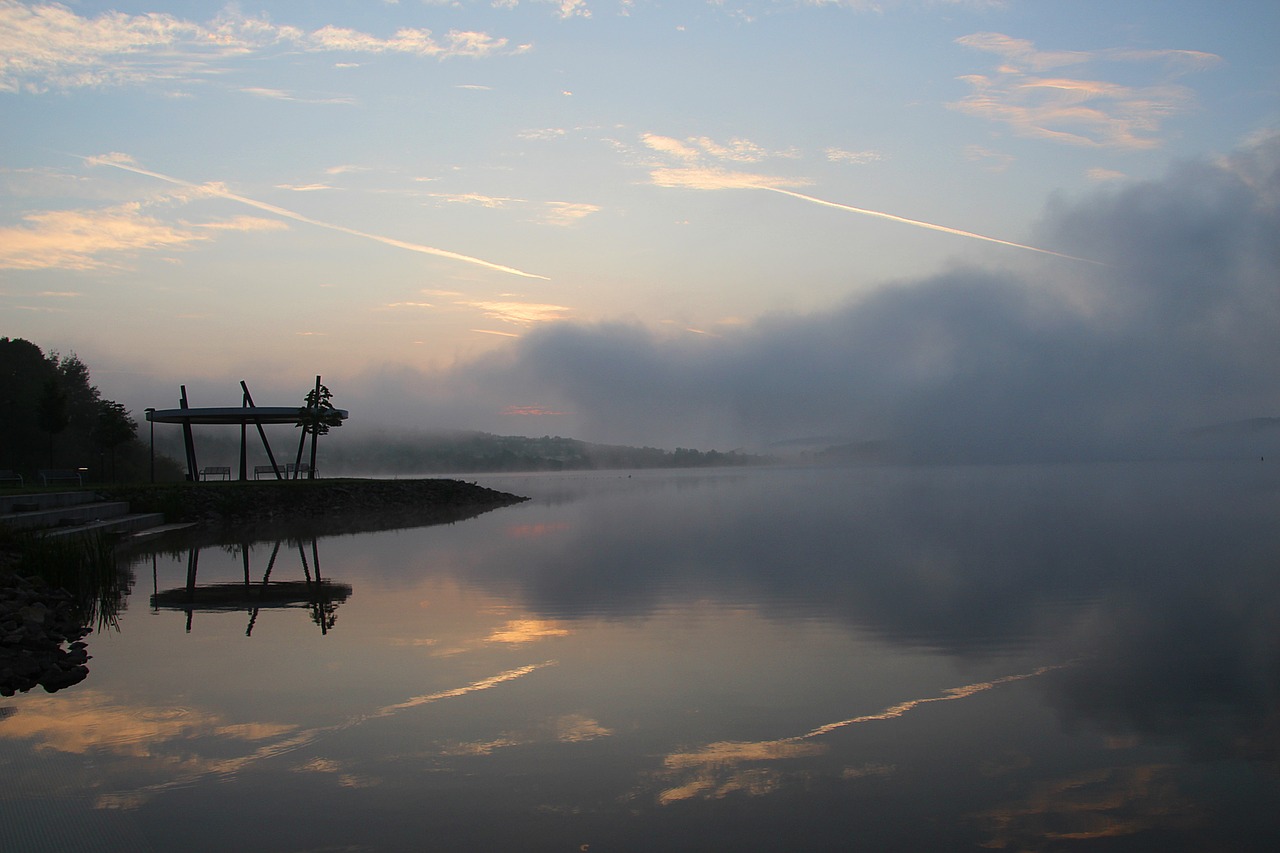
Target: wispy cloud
{"x":495,"y":332}
{"x":993,"y":161}
{"x":695,"y":173}
{"x":122,"y":161}
{"x":304,"y":188}
{"x":1099,"y":175}
{"x":566,"y":213}
{"x":1078,"y":111}
{"x":49,"y":46}
{"x":95,"y":239}
{"x":542,"y":134}
{"x":703,"y":148}
{"x":519,"y":313}
{"x":929,"y":225}
{"x":245,"y":223}
{"x":840,"y":155}
{"x":559,"y":213}
{"x":477,"y":199}
{"x":715,"y":178}
{"x":284,"y":95}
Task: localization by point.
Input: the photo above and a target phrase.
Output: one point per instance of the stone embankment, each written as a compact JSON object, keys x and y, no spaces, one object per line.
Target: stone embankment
{"x":323,"y":505}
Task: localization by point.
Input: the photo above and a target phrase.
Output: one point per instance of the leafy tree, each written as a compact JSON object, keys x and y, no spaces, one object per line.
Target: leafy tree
{"x":315,"y":417}
{"x":113,"y":428}
{"x":51,"y":395}
{"x":53,"y":416}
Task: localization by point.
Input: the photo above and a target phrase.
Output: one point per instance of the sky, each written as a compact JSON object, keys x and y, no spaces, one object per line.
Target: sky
{"x":970,"y":228}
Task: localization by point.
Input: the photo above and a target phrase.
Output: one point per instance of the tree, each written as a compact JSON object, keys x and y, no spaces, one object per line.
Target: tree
{"x":53,"y":416}
{"x":23,"y":372}
{"x":315,"y":417}
{"x":50,"y":404}
{"x":113,"y":428}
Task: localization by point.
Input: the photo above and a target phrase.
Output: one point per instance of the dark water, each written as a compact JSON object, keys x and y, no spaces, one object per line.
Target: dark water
{"x":1047,"y":658}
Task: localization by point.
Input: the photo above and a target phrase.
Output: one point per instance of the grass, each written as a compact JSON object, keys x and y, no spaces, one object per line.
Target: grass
{"x":85,"y":566}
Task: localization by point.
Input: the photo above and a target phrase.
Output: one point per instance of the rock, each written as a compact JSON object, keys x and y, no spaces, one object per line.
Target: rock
{"x":36,"y":621}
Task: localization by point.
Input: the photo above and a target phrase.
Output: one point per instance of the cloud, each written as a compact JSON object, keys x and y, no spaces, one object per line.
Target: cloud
{"x":123,"y":161}
{"x":477,"y":199}
{"x":995,"y":161}
{"x":1100,"y":175}
{"x":839,"y":155}
{"x":566,"y":213}
{"x":693,"y":173}
{"x":572,"y":8}
{"x":919,"y":224}
{"x":1037,"y":360}
{"x":1077,"y":111}
{"x":703,"y":148}
{"x":282,"y":95}
{"x":96,"y":239}
{"x":246,"y":223}
{"x":544,"y":134}
{"x":49,"y":46}
{"x":520,"y":313}
{"x":713,"y":178}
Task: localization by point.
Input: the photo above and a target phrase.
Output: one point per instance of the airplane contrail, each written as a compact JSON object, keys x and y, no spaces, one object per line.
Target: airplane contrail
{"x":289,"y":214}
{"x":919,"y":224}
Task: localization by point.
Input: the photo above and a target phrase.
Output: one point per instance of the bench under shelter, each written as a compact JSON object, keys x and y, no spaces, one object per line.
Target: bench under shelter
{"x":243,"y":415}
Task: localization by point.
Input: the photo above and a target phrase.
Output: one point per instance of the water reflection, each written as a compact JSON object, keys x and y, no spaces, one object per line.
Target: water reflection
{"x":319,"y":596}
{"x":1020,"y":658}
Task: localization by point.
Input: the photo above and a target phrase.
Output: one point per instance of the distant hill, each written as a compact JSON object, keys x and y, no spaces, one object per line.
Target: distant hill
{"x":456,"y":453}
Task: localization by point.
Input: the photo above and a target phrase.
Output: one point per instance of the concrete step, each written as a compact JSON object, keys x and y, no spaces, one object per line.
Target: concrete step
{"x":160,"y":530}
{"x":11,"y":504}
{"x":133,"y":523}
{"x":69,"y":515}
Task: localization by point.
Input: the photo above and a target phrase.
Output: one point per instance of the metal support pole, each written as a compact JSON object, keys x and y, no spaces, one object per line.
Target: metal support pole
{"x":311,"y":472}
{"x":150,"y":412}
{"x":262,"y":433}
{"x":193,"y":468}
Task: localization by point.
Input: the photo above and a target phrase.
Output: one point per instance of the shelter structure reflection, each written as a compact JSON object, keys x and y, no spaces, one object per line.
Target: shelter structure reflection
{"x":319,"y":596}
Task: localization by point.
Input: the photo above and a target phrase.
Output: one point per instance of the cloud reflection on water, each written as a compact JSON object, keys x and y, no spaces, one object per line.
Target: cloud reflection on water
{"x":711,"y":763}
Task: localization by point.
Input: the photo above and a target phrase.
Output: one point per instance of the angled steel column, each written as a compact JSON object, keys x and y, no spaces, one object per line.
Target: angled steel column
{"x":193,"y":469}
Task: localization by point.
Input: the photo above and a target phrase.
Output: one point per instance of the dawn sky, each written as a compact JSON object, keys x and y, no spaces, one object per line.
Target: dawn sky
{"x":683,"y":223}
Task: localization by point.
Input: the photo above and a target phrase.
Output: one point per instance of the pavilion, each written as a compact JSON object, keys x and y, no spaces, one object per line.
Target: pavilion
{"x":245,"y":414}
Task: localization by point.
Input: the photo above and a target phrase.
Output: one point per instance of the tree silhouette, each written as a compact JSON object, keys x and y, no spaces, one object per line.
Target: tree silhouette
{"x":315,"y":417}
{"x":113,"y":428}
{"x":52,"y":409}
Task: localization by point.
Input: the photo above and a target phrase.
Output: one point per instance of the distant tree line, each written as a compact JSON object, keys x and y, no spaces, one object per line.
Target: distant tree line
{"x":461,"y":452}
{"x":53,"y":417}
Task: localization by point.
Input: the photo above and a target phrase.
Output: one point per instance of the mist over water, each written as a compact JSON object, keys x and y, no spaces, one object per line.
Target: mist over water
{"x":1169,"y":329}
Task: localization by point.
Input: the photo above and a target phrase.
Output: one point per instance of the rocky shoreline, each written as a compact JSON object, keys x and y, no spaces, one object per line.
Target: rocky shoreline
{"x":35,"y":623}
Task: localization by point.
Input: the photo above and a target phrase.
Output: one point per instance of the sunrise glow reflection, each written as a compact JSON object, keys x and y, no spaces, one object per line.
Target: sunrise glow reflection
{"x":654,"y":660}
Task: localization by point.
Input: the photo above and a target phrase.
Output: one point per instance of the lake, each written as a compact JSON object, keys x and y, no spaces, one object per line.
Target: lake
{"x":877,"y":658}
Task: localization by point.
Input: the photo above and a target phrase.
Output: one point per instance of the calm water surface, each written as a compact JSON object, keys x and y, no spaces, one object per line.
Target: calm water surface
{"x":1022,"y":658}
